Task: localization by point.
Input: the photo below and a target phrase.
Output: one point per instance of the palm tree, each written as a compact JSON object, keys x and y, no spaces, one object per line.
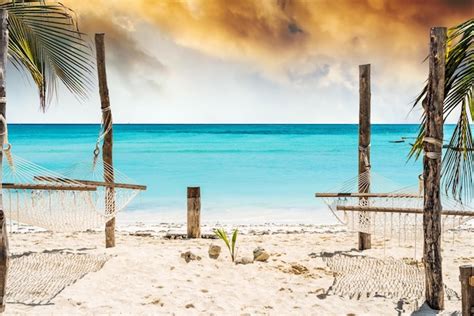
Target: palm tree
{"x":46,"y":43}
{"x":458,"y":162}
{"x":42,"y":40}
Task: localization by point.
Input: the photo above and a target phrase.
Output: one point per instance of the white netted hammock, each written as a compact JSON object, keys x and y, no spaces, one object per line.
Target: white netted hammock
{"x":389,"y":212}
{"x":39,"y":197}
{"x":76,"y":200}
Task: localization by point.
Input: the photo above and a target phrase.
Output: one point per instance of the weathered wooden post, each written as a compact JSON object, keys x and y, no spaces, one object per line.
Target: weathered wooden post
{"x":3,"y":105}
{"x":107,"y":145}
{"x":466,"y":277}
{"x":433,"y":144}
{"x":194,"y":212}
{"x":364,"y":149}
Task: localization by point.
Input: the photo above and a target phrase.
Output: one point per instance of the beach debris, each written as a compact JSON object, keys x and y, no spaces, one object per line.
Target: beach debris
{"x":214,"y":251}
{"x":142,"y":234}
{"x":156,"y":301}
{"x":259,"y":254}
{"x":190,"y":305}
{"x":189,"y":256}
{"x":298,"y":269}
{"x":244,"y":260}
{"x":180,"y":236}
{"x":317,"y":291}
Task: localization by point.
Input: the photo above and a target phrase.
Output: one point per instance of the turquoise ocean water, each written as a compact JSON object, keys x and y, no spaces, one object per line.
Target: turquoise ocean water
{"x":246,"y":172}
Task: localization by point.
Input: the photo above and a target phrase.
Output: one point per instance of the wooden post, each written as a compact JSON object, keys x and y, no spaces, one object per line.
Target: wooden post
{"x":467,"y":289}
{"x":3,"y":105}
{"x":107,"y":145}
{"x":194,"y":212}
{"x":433,"y":143}
{"x":364,"y":148}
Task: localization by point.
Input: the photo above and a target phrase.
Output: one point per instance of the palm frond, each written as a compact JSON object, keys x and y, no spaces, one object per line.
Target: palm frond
{"x":46,"y":42}
{"x":459,"y":160}
{"x":459,"y":88}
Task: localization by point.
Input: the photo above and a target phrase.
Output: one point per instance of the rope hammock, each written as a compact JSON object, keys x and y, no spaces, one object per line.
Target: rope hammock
{"x":361,"y":277}
{"x":43,"y":198}
{"x":397,"y":214}
{"x":37,"y":278}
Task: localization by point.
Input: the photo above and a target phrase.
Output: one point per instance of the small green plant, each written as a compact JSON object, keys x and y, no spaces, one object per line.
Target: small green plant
{"x":231,"y":245}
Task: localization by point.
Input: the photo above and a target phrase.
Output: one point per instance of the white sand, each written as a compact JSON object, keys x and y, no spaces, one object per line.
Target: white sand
{"x":146,"y":275}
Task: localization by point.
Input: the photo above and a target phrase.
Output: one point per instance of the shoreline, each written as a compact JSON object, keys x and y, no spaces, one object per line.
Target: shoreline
{"x":149,"y":224}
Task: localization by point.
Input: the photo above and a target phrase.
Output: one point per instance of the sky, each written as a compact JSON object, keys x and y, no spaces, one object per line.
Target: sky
{"x":249,"y":61}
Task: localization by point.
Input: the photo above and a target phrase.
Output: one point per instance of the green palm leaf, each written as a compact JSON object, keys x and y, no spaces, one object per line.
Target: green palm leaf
{"x":45,"y":41}
{"x":458,"y":158}
{"x":458,"y":162}
{"x":234,"y":241}
{"x":221,"y":234}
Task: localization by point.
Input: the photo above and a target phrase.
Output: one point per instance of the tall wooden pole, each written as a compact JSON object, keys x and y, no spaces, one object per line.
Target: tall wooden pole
{"x":194,"y":212}
{"x":433,"y":144}
{"x":108,"y":139}
{"x":364,"y":149}
{"x":3,"y":105}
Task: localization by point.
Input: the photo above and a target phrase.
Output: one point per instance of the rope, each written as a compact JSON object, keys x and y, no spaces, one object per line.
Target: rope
{"x":433,"y":154}
{"x":103,"y":132}
{"x":361,"y":277}
{"x":409,"y":226}
{"x":364,"y":151}
{"x":37,"y":278}
{"x":62,"y":209}
{"x":434,"y":141}
{"x":6,"y":146}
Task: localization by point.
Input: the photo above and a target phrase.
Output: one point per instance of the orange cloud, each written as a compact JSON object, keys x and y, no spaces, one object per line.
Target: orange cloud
{"x":289,"y":37}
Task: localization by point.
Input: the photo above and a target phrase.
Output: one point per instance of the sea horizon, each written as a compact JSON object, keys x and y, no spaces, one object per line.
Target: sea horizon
{"x":247,"y":172}
{"x":138,"y":123}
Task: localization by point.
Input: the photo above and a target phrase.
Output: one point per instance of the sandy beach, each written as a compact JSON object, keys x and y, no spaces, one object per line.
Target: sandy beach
{"x":145,"y":274}
{"x":335,"y":137}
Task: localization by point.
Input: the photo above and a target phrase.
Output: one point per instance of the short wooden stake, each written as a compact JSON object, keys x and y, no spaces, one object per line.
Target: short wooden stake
{"x":433,"y":143}
{"x":3,"y":104}
{"x":364,"y":148}
{"x":107,"y":145}
{"x":467,"y":289}
{"x":194,"y":212}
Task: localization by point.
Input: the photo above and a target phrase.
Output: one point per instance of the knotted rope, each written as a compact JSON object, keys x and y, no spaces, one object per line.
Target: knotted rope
{"x":105,"y":128}
{"x":433,"y":154}
{"x":365,"y":155}
{"x":37,"y":278}
{"x":44,"y":198}
{"x":389,"y":211}
{"x":6,"y":146}
{"x":360,"y":277}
